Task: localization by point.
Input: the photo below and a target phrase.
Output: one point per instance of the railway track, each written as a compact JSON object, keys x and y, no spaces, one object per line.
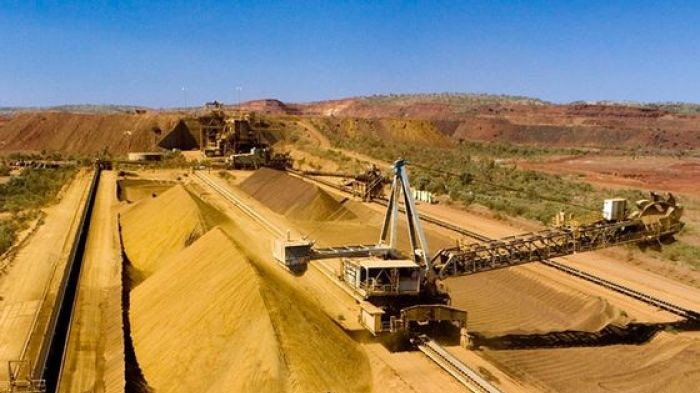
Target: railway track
{"x":236,"y":201}
{"x":471,"y":379}
{"x":640,"y":296}
{"x":453,"y":366}
{"x":460,"y":371}
{"x":651,"y":300}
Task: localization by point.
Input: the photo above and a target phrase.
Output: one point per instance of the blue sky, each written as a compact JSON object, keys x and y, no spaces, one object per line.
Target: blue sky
{"x":145,"y":52}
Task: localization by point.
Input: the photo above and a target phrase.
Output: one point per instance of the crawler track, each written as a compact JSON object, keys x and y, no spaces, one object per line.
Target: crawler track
{"x":648,"y":299}
{"x":460,"y":371}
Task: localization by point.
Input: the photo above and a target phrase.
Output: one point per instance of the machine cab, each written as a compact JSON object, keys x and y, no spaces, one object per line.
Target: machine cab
{"x":292,"y":254}
{"x":381,"y":277}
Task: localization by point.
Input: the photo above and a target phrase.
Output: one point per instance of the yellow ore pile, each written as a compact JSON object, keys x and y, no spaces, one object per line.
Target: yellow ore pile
{"x":668,"y":363}
{"x":293,"y":197}
{"x":133,"y":190}
{"x":209,"y":318}
{"x":156,"y":228}
{"x":518,"y":301}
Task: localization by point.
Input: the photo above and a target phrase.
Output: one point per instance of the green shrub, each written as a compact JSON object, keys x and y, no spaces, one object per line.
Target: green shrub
{"x":23,"y":195}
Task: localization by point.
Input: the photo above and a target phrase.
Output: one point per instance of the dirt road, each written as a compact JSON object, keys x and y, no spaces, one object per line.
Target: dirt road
{"x":95,"y":360}
{"x":28,"y":290}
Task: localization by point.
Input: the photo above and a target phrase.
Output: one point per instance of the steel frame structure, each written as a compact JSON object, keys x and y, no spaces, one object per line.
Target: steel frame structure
{"x":551,"y":243}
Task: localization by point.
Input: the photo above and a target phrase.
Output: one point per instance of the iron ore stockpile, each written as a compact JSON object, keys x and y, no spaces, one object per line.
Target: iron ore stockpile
{"x":329,"y":218}
{"x":532,"y":301}
{"x":520,"y":301}
{"x":292,"y":197}
{"x":205,"y":317}
{"x":666,"y":364}
{"x":131,"y":190}
{"x":207,"y":307}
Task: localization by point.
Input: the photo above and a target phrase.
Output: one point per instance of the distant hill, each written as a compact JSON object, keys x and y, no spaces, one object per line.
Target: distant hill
{"x":416,"y":118}
{"x":524,"y":120}
{"x":678,"y":107}
{"x":82,"y":108}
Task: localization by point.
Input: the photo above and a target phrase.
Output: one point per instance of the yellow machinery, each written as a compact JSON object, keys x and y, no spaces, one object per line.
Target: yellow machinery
{"x":394,"y":284}
{"x":656,"y":218}
{"x":21,"y":381}
{"x":235,"y":138}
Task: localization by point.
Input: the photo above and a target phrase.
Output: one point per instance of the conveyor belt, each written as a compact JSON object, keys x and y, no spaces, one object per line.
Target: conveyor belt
{"x":231,"y":197}
{"x":52,"y":351}
{"x":460,"y":371}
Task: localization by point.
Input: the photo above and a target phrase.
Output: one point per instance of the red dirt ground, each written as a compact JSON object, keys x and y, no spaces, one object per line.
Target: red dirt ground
{"x":574,"y":125}
{"x":667,"y":174}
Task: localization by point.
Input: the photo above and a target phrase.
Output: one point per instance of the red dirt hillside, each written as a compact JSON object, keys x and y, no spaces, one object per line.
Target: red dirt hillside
{"x":531,"y":121}
{"x":269,"y":106}
{"x":440,"y":119}
{"x":84,"y":133}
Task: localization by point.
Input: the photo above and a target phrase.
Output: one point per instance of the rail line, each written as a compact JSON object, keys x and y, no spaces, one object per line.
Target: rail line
{"x":645,"y":298}
{"x":651,"y":300}
{"x":460,"y":371}
{"x":453,"y":366}
{"x":236,"y":201}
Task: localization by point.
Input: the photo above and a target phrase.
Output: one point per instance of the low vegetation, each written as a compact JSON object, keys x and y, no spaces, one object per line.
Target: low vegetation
{"x":680,"y":251}
{"x":23,"y":195}
{"x":453,"y":99}
{"x":484,"y":174}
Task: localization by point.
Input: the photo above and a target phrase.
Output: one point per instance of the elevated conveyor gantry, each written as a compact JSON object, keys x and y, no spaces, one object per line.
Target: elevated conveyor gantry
{"x":655,"y":219}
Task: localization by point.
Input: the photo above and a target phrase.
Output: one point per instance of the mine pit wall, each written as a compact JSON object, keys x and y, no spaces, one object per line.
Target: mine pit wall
{"x":133,"y":376}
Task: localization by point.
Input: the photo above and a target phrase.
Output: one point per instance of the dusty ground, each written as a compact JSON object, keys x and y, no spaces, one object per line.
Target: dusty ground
{"x":28,"y":288}
{"x":306,"y":321}
{"x":535,"y":299}
{"x":670,"y":174}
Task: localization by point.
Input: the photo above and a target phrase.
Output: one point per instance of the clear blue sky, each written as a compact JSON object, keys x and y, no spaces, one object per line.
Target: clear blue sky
{"x":143,"y":53}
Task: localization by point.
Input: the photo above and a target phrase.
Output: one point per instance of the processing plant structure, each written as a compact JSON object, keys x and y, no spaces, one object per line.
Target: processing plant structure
{"x":238,"y":140}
